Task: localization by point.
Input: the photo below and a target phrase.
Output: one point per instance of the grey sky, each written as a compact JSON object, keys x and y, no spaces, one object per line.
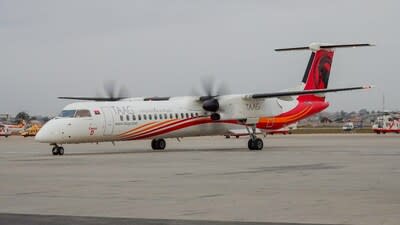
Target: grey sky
{"x":68,"y":48}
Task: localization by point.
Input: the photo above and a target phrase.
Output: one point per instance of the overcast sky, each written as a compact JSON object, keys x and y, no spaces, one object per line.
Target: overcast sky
{"x":69,"y":48}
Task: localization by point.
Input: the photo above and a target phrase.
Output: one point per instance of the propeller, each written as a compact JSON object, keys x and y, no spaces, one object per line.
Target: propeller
{"x":111,"y":92}
{"x":211,"y":91}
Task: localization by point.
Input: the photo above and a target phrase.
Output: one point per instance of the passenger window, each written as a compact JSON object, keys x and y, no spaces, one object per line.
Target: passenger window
{"x":191,"y":114}
{"x":144,"y":116}
{"x":176,"y":116}
{"x":182,"y":116}
{"x":165,"y":116}
{"x":121,"y":117}
{"x":171,"y":116}
{"x":133,"y":117}
{"x":155,"y":116}
{"x":197,"y":114}
{"x":140,"y":117}
{"x":150,"y":118}
{"x":161,"y":117}
{"x":187,"y":115}
{"x":127,"y":117}
{"x":82,"y":113}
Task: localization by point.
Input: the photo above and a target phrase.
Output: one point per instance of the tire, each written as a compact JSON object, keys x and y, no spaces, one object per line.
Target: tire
{"x":250,"y":144}
{"x":60,"y":150}
{"x":54,"y":151}
{"x":258,"y":144}
{"x":161,"y":144}
{"x":154,"y":144}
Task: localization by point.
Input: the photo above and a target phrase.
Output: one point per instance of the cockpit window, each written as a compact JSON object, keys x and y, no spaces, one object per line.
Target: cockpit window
{"x":67,"y":113}
{"x":82,"y":113}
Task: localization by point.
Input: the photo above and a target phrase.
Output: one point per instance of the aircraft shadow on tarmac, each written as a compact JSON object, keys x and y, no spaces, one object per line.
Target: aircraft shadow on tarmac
{"x":28,"y":219}
{"x":177,"y":150}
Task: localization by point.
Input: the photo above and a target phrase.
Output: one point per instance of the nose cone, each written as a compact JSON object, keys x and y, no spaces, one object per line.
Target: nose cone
{"x":42,"y":135}
{"x":48,"y":133}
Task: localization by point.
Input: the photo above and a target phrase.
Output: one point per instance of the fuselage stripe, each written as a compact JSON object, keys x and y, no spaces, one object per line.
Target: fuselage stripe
{"x":160,"y":127}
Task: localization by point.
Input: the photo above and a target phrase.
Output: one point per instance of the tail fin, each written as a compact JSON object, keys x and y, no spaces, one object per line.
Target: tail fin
{"x":318,"y":68}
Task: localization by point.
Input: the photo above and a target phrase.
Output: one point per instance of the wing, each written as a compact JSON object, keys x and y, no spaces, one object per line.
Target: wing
{"x":303,"y":92}
{"x":92,"y":98}
{"x":105,"y":99}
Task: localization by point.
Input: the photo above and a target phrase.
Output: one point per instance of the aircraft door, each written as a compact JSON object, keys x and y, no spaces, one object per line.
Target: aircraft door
{"x":108,"y":121}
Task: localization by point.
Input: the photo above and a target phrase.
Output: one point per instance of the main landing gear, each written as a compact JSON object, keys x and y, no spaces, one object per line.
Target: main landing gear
{"x":158,"y":144}
{"x":254,"y":142}
{"x":57,"y":150}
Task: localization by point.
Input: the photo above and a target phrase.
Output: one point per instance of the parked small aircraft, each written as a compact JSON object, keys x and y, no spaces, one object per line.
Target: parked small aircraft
{"x":10,"y":129}
{"x":119,"y":118}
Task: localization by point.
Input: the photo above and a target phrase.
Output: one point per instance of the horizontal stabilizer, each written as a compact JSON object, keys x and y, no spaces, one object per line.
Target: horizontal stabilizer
{"x":318,"y":46}
{"x":304,"y":92}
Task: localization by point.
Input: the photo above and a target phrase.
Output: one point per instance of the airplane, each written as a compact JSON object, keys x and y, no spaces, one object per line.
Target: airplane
{"x":10,"y":129}
{"x":119,"y":118}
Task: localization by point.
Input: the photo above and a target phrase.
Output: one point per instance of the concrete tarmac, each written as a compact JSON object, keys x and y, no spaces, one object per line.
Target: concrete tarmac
{"x":320,"y":179}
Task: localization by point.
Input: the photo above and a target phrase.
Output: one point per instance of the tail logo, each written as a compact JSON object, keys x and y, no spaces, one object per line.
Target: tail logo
{"x":324,"y":68}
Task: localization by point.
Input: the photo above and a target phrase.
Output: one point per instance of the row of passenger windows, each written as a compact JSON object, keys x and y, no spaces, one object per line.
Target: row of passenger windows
{"x":158,"y":116}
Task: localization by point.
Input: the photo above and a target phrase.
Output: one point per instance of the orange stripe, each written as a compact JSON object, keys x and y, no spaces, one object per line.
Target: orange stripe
{"x":286,"y":118}
{"x":143,"y":125}
{"x":150,"y":126}
{"x":161,"y":128}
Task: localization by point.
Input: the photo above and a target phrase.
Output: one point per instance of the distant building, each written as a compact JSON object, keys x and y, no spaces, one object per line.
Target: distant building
{"x":325,"y":120}
{"x":5,"y":117}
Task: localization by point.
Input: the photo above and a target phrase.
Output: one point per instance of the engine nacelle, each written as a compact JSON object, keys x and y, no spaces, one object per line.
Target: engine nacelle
{"x":211,"y":105}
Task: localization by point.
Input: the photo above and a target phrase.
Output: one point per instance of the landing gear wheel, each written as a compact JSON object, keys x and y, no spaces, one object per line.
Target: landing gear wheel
{"x":161,"y":144}
{"x":57,"y":150}
{"x":158,"y":144}
{"x":153,"y":144}
{"x":54,"y":151}
{"x":60,"y":150}
{"x":255,"y":144}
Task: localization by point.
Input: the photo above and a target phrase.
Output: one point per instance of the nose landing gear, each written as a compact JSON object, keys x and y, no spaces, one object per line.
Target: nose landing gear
{"x":57,"y":150}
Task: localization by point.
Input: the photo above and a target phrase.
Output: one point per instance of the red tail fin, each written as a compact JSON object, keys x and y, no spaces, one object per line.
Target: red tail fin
{"x":317,"y":73}
{"x":319,"y":66}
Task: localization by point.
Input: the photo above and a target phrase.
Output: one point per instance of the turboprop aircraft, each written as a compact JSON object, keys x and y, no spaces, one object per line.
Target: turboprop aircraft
{"x":119,"y":118}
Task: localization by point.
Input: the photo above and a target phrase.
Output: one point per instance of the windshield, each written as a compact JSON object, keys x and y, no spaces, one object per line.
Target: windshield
{"x":82,"y":113}
{"x":67,"y":113}
{"x":75,"y":113}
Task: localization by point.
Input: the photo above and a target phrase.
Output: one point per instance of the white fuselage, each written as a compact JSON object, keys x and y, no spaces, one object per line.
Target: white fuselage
{"x":133,"y":119}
